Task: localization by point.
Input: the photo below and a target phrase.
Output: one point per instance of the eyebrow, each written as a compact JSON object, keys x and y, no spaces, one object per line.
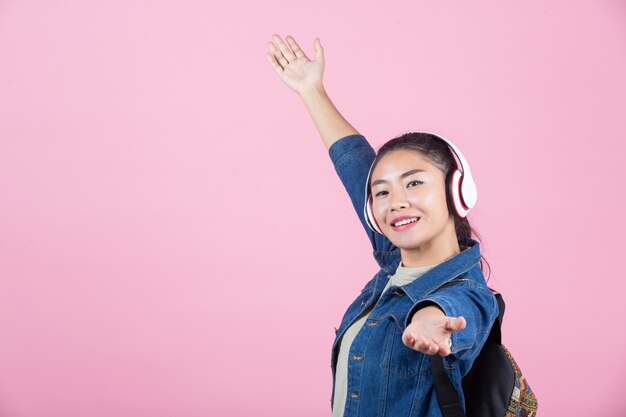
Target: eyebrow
{"x":406,"y":174}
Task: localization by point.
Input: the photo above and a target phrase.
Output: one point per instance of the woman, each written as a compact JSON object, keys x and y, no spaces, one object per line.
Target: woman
{"x":430,"y":296}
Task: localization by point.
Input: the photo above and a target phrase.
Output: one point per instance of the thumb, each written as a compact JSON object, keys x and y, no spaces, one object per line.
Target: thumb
{"x":319,"y":51}
{"x":455,"y":323}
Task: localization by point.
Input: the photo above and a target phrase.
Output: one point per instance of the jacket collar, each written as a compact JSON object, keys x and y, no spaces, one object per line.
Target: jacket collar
{"x":442,"y":273}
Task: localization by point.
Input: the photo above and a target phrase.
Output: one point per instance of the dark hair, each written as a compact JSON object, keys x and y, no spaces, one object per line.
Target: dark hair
{"x":440,"y":155}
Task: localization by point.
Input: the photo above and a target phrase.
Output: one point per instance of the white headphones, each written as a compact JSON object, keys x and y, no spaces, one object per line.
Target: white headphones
{"x":462,"y":187}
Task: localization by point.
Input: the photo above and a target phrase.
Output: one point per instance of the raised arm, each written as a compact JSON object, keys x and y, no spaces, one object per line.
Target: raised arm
{"x":349,"y":151}
{"x":304,"y":76}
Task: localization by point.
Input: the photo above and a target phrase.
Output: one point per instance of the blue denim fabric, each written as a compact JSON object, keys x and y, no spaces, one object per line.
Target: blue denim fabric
{"x":386,"y":378}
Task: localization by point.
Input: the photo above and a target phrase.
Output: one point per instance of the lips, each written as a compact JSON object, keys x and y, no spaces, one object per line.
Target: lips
{"x":404,"y":222}
{"x":403,"y":219}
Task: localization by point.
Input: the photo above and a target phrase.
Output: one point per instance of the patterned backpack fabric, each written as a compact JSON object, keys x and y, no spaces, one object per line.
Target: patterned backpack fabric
{"x":494,"y":387}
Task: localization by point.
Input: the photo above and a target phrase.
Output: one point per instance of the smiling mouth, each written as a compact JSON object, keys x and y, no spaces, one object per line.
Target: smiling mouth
{"x":405,"y":221}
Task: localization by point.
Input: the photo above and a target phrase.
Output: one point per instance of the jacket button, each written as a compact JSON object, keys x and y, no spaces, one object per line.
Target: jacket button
{"x":355,"y":396}
{"x":372,"y":323}
{"x":357,"y":357}
{"x":398,"y":293}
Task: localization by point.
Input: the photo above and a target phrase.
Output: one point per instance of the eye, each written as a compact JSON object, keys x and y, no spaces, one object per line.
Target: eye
{"x":380,"y":193}
{"x":414,"y":183}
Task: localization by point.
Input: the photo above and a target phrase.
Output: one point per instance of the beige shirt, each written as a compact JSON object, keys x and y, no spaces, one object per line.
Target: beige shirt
{"x":402,"y":276}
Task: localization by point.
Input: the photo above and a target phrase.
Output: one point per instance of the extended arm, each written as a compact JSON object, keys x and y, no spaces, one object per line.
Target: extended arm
{"x":453,"y":320}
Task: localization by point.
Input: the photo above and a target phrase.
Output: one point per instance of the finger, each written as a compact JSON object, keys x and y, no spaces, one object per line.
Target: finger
{"x":425,"y":346}
{"x":319,"y":51}
{"x":444,"y":351}
{"x":432,"y":349}
{"x":408,"y":339}
{"x":445,"y":346}
{"x":296,"y":48}
{"x":277,"y":55}
{"x":274,"y":63}
{"x":455,"y":323}
{"x":421,"y":345}
{"x":284,"y":48}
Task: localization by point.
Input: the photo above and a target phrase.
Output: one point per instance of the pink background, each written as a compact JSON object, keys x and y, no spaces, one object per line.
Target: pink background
{"x":174,"y":240}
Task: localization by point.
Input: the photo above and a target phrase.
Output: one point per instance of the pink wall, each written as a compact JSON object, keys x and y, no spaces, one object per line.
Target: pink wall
{"x":174,"y":240}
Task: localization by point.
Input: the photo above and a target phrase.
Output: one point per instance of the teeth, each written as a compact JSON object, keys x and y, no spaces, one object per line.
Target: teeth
{"x":405,"y":221}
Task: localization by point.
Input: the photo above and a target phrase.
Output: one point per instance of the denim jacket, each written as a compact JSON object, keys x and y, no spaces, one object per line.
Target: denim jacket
{"x":386,"y":378}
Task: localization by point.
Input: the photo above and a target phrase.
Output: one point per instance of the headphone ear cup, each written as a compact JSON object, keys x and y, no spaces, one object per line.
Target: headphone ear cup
{"x":369,"y":216}
{"x":455,"y":192}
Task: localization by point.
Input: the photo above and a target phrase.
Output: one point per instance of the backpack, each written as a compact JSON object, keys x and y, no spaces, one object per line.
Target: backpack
{"x":494,"y":386}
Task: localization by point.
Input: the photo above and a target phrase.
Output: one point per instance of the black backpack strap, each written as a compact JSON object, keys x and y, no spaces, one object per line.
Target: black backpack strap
{"x":447,"y":397}
{"x":496,"y":332}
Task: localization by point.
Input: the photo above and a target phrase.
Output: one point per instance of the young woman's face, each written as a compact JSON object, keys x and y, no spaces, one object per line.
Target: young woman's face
{"x":409,"y":201}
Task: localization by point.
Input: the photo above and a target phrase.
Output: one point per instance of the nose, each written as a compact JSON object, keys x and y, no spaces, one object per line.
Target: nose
{"x":398,"y":201}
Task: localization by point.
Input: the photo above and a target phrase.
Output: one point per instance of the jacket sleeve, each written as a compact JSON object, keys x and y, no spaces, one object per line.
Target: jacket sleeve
{"x":476,"y":303}
{"x":352,"y":157}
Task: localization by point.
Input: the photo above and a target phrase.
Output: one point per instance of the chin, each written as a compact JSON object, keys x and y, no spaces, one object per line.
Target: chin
{"x":407,"y":242}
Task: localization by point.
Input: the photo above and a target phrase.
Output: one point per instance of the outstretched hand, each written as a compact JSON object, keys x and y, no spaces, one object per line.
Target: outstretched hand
{"x":430,"y":331}
{"x":293,"y":66}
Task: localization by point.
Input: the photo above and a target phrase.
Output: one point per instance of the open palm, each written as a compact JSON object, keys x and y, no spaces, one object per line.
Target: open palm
{"x":293,"y":66}
{"x":430,"y":331}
